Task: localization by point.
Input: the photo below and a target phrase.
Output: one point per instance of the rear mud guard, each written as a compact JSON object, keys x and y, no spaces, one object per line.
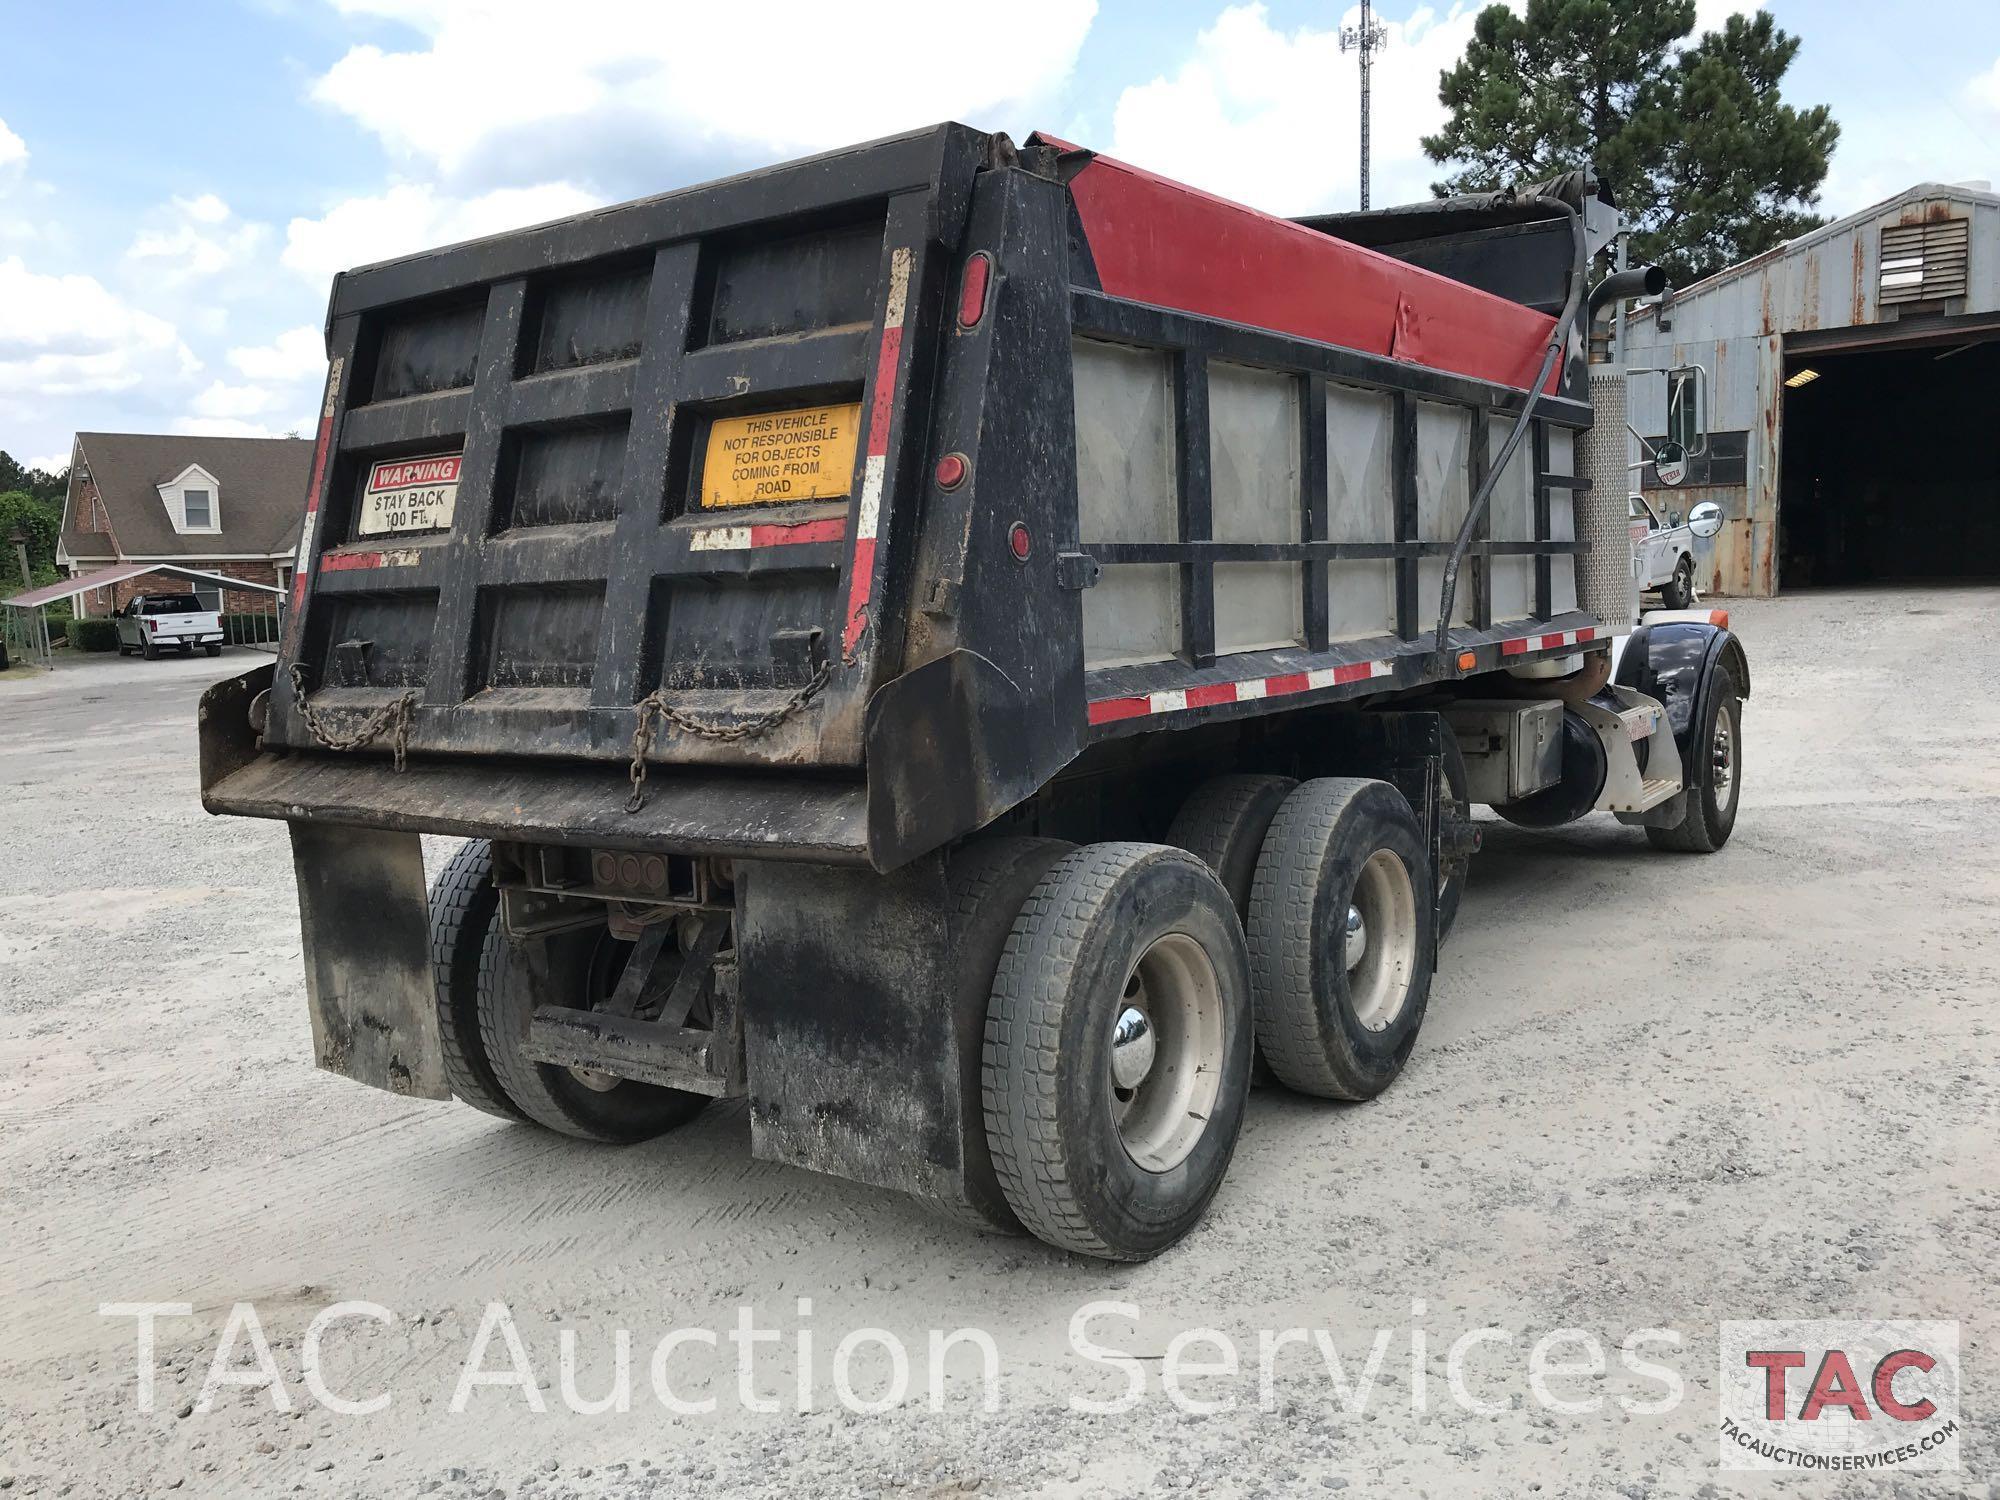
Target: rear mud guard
{"x":364,"y":913}
{"x":850,"y":1048}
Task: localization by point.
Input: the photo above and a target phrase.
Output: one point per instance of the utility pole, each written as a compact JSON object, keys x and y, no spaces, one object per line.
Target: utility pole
{"x":1368,"y":38}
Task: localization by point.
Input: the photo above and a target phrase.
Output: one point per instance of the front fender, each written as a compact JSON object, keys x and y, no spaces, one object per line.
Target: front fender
{"x":1680,"y":663}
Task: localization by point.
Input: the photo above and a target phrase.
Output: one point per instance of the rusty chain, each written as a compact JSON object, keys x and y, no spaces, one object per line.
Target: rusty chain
{"x":396,"y":714}
{"x":654,"y":710}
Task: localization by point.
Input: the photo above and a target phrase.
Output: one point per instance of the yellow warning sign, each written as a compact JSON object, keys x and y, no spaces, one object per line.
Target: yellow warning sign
{"x":779,"y":456}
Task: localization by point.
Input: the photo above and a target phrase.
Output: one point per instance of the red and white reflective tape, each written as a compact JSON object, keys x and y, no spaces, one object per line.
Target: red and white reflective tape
{"x":1174,"y":700}
{"x":1554,"y":640}
{"x":347,"y":562}
{"x":328,"y":405}
{"x":882,"y":411}
{"x":746,"y":538}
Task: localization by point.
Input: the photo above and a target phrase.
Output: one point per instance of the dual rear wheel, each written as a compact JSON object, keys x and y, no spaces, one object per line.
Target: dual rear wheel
{"x":1110,"y":999}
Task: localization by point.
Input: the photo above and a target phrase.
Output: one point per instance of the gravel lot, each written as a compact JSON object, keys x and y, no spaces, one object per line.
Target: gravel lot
{"x":1653,"y":1092}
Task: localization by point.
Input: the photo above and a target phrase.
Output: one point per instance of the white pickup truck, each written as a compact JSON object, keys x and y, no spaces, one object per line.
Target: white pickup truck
{"x":153,"y":621}
{"x":1663,"y":547}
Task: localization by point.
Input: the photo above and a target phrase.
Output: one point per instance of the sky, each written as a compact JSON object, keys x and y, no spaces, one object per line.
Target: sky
{"x":179,"y":182}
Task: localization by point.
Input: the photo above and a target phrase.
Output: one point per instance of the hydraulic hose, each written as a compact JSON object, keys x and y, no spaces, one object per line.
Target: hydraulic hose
{"x":1558,"y":338}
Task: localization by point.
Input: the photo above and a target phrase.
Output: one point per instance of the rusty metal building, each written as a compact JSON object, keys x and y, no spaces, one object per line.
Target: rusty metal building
{"x":1851,"y":384}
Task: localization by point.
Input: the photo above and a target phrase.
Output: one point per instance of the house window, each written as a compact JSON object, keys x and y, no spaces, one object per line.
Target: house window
{"x":197,"y":509}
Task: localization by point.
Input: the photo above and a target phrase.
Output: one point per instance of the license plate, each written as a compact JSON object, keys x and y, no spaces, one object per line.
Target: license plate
{"x":777,"y":457}
{"x":410,"y":494}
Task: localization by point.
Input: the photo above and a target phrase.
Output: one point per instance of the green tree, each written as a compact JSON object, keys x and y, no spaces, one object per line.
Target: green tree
{"x":1708,"y":163}
{"x":39,"y":519}
{"x":37,"y":482}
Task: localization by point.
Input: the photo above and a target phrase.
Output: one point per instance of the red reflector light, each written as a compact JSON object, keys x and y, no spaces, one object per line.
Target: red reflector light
{"x":950,"y":471}
{"x":1019,"y":542}
{"x":972,"y":291}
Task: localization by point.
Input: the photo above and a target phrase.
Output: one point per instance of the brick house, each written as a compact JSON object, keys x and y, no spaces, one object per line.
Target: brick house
{"x":224,"y":505}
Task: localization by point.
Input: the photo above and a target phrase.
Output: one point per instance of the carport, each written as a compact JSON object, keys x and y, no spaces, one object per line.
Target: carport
{"x":26,"y":626}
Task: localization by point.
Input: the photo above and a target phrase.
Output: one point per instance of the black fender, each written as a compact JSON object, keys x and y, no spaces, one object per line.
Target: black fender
{"x":1680,"y":663}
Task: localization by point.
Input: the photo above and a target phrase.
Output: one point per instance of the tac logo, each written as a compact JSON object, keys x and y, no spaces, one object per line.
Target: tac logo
{"x":1839,"y":1396}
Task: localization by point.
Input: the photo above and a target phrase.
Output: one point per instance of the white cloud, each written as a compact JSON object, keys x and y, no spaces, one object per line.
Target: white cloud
{"x":200,"y":426}
{"x":497,"y":84}
{"x":1271,"y":118}
{"x":296,"y":354}
{"x":1982,"y":92}
{"x":194,"y":239}
{"x":412,"y":216}
{"x":65,"y":335}
{"x":221,"y":399}
{"x":13,"y":150}
{"x":1710,"y":14}
{"x":48,"y":463}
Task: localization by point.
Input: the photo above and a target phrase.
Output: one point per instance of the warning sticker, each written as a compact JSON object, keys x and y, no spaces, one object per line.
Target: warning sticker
{"x":779,"y":456}
{"x":410,"y":494}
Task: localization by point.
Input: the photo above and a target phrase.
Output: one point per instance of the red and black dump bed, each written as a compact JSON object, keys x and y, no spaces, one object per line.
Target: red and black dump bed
{"x":794,"y":456}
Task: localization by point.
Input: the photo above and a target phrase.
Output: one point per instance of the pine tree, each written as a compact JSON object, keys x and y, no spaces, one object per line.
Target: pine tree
{"x":1707,"y":162}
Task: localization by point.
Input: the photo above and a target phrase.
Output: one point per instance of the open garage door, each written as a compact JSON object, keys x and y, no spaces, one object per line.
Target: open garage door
{"x":1889,"y":468}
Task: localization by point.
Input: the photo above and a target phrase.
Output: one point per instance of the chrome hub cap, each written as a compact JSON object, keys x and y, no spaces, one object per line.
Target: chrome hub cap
{"x":1132,"y":1048}
{"x":1380,"y":944}
{"x":1165,"y":1054}
{"x":1722,"y":760}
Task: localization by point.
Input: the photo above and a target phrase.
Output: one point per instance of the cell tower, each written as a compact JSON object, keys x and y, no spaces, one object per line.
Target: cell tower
{"x":1368,"y":38}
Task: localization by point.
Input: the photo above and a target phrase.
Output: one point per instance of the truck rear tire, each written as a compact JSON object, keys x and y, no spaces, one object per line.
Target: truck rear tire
{"x":1716,"y":785}
{"x":989,"y":880}
{"x":213,"y":648}
{"x":1345,"y":860}
{"x":147,"y":649}
{"x":1117,"y":1055}
{"x":464,"y":904}
{"x":594,"y":1107}
{"x":1223,"y":825}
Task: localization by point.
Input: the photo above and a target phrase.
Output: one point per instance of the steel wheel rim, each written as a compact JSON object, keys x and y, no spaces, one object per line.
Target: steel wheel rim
{"x":1379,"y":975}
{"x":1722,"y":760}
{"x":1161,"y":1110}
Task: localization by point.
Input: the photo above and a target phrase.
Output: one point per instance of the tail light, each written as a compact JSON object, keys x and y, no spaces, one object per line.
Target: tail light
{"x":151,"y":626}
{"x":972,"y":291}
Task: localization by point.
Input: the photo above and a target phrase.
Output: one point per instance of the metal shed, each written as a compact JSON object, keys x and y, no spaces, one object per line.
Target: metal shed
{"x":1848,"y":398}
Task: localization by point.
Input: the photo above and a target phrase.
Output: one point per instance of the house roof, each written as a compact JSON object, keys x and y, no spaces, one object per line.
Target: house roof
{"x":261,"y":483}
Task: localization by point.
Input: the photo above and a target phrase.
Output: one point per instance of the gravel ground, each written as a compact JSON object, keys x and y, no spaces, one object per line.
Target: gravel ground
{"x":1653,"y":1091}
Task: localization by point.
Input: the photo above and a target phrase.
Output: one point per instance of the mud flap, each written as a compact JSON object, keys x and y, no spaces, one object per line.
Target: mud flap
{"x":850,"y":1047}
{"x":365,"y":913}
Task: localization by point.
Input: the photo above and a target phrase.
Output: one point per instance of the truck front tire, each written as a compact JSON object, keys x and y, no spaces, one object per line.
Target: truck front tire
{"x":1117,"y":1052}
{"x":1714,"y":779}
{"x":1678,"y":591}
{"x":1341,"y":938}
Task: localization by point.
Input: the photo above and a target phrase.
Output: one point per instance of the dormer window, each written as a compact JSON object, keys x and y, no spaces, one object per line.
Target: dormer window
{"x":192,"y":500}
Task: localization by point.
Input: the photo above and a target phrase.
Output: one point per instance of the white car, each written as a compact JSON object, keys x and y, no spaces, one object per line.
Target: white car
{"x":1662,"y":554}
{"x":151,"y":622}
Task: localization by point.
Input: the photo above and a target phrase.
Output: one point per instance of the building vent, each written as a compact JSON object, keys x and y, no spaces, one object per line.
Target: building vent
{"x":1923,"y":262}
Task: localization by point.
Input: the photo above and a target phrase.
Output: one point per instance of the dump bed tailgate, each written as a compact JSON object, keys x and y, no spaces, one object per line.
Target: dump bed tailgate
{"x":640,"y":457}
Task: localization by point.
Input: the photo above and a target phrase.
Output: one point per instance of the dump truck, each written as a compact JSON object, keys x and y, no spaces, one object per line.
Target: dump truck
{"x":974,"y":649}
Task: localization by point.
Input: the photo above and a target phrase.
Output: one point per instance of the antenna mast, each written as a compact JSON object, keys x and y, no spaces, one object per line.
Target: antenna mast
{"x":1368,"y":38}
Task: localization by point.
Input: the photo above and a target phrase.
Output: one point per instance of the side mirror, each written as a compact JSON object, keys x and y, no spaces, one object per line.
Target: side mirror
{"x":1705,"y":519}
